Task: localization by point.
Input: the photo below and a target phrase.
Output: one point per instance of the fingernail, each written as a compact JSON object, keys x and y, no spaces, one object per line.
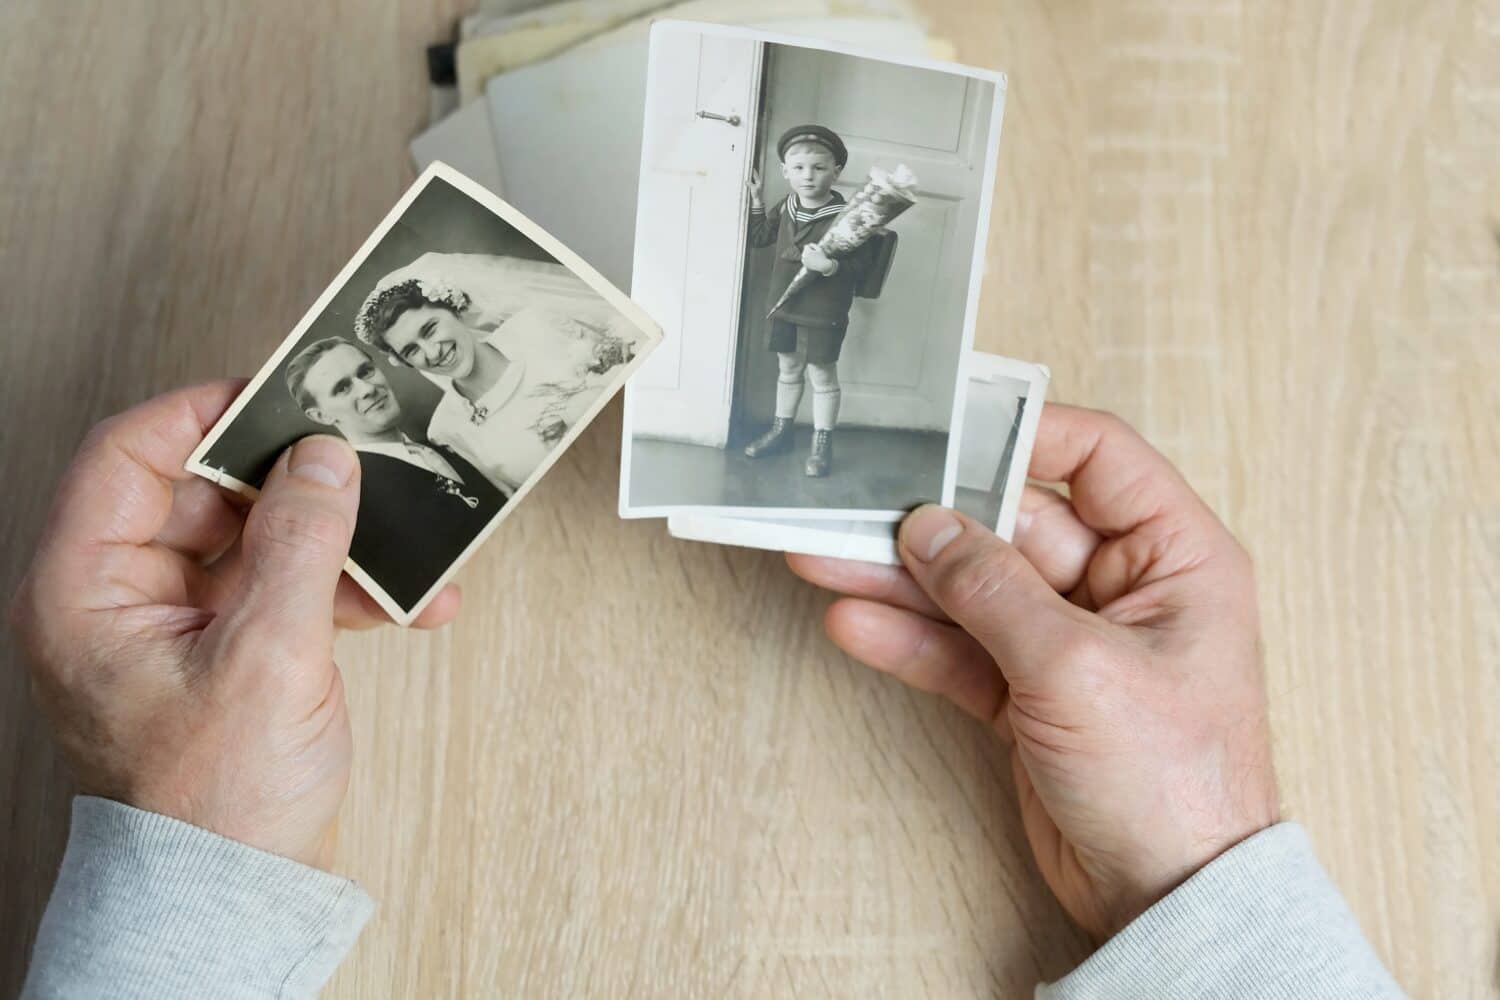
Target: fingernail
{"x":928,"y":530}
{"x":323,"y":459}
{"x":1023,"y":521}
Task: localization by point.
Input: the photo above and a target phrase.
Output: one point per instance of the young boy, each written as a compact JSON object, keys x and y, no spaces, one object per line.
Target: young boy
{"x":808,"y":330}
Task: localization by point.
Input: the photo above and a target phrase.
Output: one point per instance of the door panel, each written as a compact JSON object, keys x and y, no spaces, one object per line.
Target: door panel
{"x":690,"y":231}
{"x":871,"y":102}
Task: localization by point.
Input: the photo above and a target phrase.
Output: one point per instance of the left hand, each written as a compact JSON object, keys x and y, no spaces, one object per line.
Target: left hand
{"x":182,"y":647}
{"x":814,"y":259}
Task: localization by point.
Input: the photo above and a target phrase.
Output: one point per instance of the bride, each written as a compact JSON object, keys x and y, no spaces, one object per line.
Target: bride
{"x":520,"y":348}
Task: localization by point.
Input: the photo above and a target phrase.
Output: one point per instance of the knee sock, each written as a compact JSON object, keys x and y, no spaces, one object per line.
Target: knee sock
{"x":789,"y":382}
{"x":826,"y":395}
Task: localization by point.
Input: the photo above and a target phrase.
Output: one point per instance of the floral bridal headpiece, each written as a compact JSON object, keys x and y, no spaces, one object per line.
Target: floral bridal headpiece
{"x":377,"y":312}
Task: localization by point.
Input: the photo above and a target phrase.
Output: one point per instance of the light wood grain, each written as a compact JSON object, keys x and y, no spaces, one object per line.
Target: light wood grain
{"x":1263,"y":232}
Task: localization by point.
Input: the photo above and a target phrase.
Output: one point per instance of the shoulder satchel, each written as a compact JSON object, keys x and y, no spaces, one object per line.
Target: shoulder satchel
{"x":872,"y":281}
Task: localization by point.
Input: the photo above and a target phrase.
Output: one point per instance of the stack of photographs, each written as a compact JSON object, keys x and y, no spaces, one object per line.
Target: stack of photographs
{"x":810,"y":233}
{"x":808,"y":247}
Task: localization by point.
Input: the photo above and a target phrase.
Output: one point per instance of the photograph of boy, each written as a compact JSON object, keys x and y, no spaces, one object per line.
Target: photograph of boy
{"x":810,"y":234}
{"x":808,"y":329}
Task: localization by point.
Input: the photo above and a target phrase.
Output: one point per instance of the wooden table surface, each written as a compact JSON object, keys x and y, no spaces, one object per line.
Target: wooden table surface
{"x":1267,"y":233}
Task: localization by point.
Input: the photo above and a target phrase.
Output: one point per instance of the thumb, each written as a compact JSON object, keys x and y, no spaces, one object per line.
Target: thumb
{"x":297,"y":537}
{"x":990,"y":590}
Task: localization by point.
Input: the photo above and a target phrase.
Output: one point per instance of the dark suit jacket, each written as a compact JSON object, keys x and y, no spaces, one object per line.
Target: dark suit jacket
{"x":410,"y":528}
{"x":824,"y":303}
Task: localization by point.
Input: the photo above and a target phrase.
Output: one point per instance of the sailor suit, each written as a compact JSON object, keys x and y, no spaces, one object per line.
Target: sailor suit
{"x":819,"y":313}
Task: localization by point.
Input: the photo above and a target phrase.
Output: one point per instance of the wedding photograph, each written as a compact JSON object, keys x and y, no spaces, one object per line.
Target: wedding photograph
{"x":810,"y":232}
{"x":459,"y":353}
{"x":1001,"y":411}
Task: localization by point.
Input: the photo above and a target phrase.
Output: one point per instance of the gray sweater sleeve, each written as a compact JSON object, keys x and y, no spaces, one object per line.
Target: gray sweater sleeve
{"x":148,"y":906}
{"x":1260,"y":922}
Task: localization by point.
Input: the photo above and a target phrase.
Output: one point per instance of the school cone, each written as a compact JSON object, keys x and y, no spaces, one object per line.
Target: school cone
{"x":885,"y":195}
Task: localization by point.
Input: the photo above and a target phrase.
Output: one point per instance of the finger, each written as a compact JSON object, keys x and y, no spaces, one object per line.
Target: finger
{"x":443,"y":609}
{"x":891,"y":585}
{"x":1053,"y":539}
{"x":296,"y":540}
{"x":203,"y":521}
{"x":116,"y":495}
{"x":119,"y":488}
{"x":989,"y":589}
{"x":355,"y":610}
{"x":920,"y":652}
{"x":1157,"y":528}
{"x":1146,"y":575}
{"x":1116,"y":480}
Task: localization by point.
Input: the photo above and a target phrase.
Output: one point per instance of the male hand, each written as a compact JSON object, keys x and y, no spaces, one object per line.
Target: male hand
{"x":754,"y":185}
{"x":1115,"y":646}
{"x":184,"y":650}
{"x":814,"y":259}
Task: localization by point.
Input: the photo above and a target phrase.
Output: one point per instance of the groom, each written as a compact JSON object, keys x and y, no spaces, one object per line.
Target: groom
{"x":420,"y":504}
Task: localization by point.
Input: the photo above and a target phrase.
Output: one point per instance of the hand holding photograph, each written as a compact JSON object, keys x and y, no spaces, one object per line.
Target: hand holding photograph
{"x":459,"y":352}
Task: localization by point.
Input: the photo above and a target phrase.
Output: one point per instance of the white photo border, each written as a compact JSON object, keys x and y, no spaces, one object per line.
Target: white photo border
{"x":831,"y":539}
{"x":971,"y":305}
{"x":538,"y":236}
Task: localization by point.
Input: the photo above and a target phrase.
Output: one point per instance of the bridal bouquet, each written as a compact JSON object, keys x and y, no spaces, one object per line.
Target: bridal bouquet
{"x":886,"y":194}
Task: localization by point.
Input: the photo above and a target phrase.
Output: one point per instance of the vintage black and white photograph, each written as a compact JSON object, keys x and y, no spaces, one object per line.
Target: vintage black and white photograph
{"x":810,"y":233}
{"x":1001,"y":410}
{"x":460,"y":352}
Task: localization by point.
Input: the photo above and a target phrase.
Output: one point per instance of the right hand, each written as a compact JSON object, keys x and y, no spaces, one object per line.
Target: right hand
{"x":753,"y":185}
{"x":1115,"y":647}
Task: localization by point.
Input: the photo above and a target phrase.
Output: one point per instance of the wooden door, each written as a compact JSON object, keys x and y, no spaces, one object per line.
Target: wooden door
{"x":690,"y":230}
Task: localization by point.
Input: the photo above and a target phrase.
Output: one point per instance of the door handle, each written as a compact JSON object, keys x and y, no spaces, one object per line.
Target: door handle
{"x":731,"y":119}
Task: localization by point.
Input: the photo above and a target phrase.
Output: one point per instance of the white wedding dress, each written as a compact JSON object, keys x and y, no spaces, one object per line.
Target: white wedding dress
{"x":563,"y":342}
